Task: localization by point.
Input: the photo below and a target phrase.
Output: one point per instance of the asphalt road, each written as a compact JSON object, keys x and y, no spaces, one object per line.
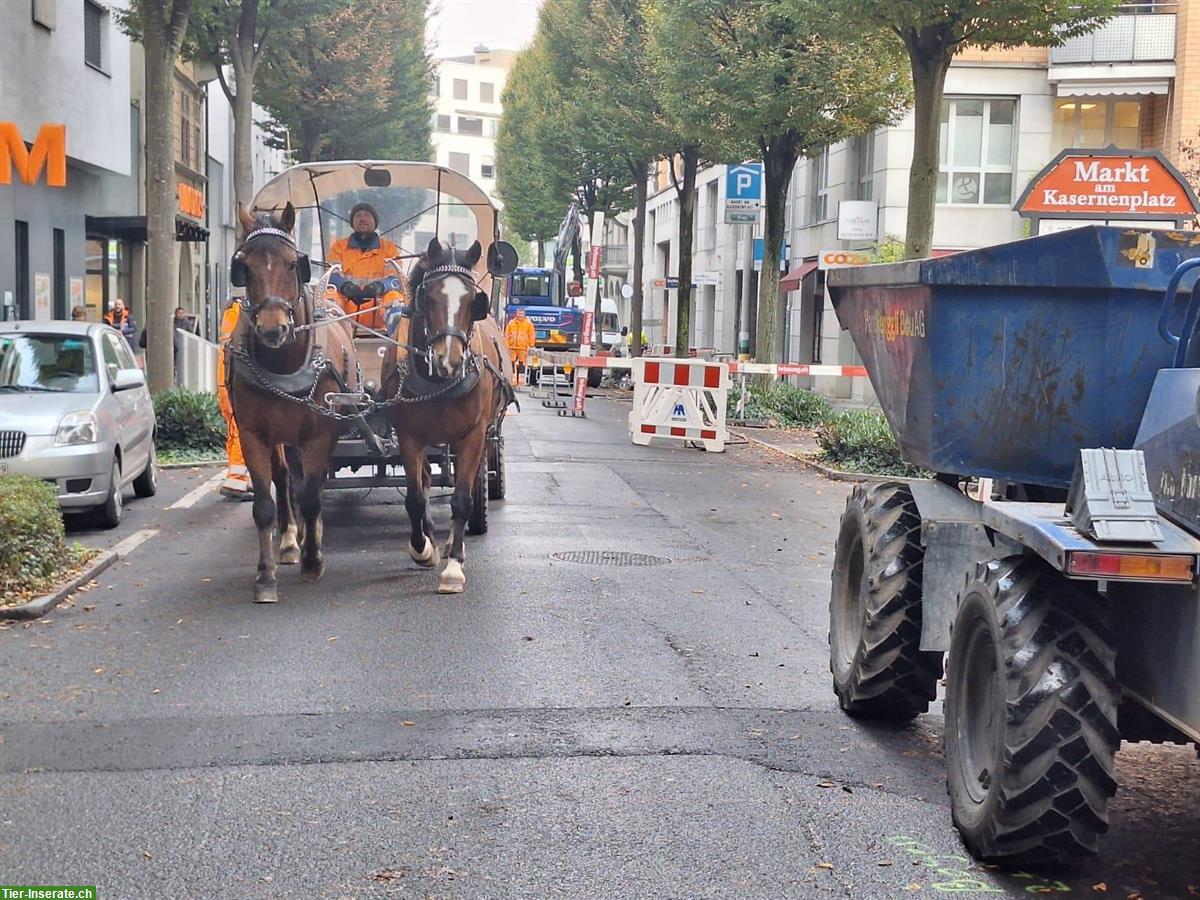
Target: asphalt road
{"x":561,"y":729}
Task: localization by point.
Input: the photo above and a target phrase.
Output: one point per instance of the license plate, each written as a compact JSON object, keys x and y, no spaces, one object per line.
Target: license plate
{"x":542,"y":335}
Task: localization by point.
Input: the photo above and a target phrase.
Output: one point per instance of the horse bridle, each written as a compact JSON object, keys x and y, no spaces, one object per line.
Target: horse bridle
{"x":239,"y":273}
{"x":440,"y":273}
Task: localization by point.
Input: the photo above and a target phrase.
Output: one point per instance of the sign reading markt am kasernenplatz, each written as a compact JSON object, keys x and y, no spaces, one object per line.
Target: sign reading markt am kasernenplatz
{"x":1114,"y":186}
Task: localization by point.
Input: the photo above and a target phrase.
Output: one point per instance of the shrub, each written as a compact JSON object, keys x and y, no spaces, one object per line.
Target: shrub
{"x":32,"y":546}
{"x":782,"y":403}
{"x":189,"y":424}
{"x":860,"y":440}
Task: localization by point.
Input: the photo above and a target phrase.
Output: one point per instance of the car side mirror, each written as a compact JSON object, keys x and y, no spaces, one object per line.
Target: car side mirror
{"x":502,"y":259}
{"x":128,"y":378}
{"x":624,"y":330}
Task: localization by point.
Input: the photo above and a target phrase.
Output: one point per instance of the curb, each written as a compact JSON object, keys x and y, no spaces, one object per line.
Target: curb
{"x":42,"y":605}
{"x":832,"y":474}
{"x":199,"y":464}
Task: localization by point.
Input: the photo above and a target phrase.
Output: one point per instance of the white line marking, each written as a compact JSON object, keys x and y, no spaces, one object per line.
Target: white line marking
{"x":190,"y":499}
{"x":135,"y":540}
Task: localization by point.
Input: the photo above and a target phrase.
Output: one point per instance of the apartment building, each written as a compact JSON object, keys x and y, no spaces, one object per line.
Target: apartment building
{"x":467,"y":111}
{"x":1133,"y":83}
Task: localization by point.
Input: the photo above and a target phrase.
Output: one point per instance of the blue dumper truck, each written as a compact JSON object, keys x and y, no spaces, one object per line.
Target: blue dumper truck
{"x":1052,"y":388}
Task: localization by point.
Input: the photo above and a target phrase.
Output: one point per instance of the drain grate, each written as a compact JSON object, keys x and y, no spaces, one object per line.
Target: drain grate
{"x":609,"y":558}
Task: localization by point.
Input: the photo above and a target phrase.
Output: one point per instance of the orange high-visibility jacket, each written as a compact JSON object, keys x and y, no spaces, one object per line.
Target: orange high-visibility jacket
{"x":362,"y":265}
{"x":519,"y":334}
{"x":229,"y":320}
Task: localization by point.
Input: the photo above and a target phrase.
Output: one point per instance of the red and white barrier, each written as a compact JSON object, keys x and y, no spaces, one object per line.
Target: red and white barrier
{"x":783,"y":370}
{"x":679,"y":399}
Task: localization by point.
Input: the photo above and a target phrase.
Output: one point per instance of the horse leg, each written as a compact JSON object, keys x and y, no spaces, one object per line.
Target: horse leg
{"x":314,"y":461}
{"x":258,"y":460}
{"x":470,"y":456}
{"x":289,"y":549}
{"x":421,"y":546}
{"x":295,"y":478}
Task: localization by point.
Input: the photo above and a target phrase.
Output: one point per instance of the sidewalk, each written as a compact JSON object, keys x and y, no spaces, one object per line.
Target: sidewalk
{"x":800,"y":444}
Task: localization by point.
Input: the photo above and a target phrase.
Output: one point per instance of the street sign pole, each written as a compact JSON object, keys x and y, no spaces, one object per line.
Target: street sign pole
{"x":743,"y":346}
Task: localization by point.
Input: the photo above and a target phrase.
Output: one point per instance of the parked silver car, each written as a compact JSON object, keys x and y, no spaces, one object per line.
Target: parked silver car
{"x":75,"y":411}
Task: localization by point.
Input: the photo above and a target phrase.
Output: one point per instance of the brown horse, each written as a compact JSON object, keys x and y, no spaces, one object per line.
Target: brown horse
{"x":449,"y":388}
{"x":280,"y":373}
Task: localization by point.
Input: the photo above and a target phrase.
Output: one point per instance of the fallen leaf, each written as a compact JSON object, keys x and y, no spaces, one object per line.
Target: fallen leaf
{"x":155,"y":691}
{"x":390,"y":874}
{"x":913,"y":886}
{"x":179,"y":621}
{"x":146,"y":853}
{"x":89,"y":608}
{"x":334,"y":638}
{"x":884,"y":862}
{"x":408,"y":723}
{"x":826,"y":784}
{"x":205,"y":580}
{"x":99,"y":671}
{"x":824,"y":865}
{"x":1100,"y":887}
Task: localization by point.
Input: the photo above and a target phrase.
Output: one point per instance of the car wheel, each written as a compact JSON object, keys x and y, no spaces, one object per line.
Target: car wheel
{"x":146,"y":484}
{"x":111,"y":509}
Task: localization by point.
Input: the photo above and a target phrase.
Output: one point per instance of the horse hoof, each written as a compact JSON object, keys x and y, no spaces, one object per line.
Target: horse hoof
{"x":266,"y":593}
{"x":313,"y":573}
{"x":452,"y":580}
{"x":289,"y":556}
{"x":428,"y":558}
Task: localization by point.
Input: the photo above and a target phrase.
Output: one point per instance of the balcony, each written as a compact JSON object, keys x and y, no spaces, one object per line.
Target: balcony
{"x":615,"y":260}
{"x":1138,"y":33}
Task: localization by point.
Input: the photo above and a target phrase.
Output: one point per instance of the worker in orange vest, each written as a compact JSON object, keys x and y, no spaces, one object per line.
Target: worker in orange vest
{"x":236,"y":485}
{"x":364,"y":282}
{"x":520,"y":337}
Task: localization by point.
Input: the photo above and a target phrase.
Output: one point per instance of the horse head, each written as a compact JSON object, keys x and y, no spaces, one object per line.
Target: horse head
{"x":448,"y":304}
{"x":271,"y":268}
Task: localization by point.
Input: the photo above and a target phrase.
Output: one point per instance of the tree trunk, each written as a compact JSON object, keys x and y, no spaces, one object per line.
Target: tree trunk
{"x":576,"y":257}
{"x":687,"y":226}
{"x":597,"y":334}
{"x":243,"y":131}
{"x":541,"y":252}
{"x":163,"y":32}
{"x":639,"y":261}
{"x":779,"y":160}
{"x":929,"y":80}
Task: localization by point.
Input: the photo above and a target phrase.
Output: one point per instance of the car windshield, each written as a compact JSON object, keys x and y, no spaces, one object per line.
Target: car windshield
{"x":609,"y":322}
{"x":47,"y":362}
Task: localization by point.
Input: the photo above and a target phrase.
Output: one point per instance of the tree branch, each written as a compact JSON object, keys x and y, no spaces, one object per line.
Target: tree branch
{"x":229,"y":95}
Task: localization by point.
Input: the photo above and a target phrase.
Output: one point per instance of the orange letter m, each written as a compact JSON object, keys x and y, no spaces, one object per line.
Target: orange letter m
{"x":49,"y":152}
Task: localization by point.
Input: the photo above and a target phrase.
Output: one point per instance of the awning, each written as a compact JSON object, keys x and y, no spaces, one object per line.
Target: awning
{"x":1112,"y":88}
{"x":133,"y":228}
{"x":791,"y":281}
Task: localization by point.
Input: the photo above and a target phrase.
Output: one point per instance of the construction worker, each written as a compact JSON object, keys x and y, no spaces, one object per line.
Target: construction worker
{"x":364,"y":281}
{"x":520,"y":337}
{"x":236,"y":485}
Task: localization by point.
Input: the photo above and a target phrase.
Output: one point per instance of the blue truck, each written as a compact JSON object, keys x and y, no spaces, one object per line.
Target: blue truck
{"x":542,"y":294}
{"x":1050,"y":563}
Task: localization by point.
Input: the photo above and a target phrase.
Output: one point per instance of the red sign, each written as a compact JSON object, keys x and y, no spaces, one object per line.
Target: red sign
{"x":191,"y":200}
{"x":594,"y":262}
{"x":1109,"y":184}
{"x":589,"y":329}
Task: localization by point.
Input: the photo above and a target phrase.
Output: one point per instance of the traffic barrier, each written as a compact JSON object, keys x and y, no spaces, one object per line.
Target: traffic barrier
{"x":679,"y":399}
{"x":782,"y":370}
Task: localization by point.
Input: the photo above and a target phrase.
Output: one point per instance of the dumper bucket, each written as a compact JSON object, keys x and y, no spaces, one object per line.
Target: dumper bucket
{"x":1004,"y":361}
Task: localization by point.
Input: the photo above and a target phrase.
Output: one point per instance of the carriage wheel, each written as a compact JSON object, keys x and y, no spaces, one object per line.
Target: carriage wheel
{"x":497,"y":478}
{"x":477,"y":522}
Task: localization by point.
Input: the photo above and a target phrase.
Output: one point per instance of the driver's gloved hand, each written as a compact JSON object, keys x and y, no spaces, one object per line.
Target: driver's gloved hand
{"x":373,"y":289}
{"x":350,"y":290}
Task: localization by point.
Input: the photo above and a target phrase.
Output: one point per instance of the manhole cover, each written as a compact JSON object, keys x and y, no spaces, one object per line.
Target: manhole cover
{"x":609,"y":558}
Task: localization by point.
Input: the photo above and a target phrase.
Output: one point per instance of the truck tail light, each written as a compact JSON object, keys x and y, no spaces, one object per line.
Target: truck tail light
{"x":1131,"y":567}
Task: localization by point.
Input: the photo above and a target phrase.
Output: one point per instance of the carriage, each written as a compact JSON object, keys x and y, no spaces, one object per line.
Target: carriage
{"x":415,"y":201}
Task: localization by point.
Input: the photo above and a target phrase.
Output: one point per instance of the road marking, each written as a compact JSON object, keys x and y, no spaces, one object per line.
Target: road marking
{"x":188,"y":500}
{"x":135,"y":540}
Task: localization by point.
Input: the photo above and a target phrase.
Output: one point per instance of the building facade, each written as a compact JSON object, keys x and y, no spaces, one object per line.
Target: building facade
{"x":467,"y":112}
{"x":1133,"y":83}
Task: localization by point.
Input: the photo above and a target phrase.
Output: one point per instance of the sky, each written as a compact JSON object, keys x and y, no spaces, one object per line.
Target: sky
{"x":458,"y":25}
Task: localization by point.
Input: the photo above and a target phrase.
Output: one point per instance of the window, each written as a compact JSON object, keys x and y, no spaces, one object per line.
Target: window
{"x":60,"y":273}
{"x":490,"y":126}
{"x":45,"y":13}
{"x":976,"y":152}
{"x":1092,"y":123}
{"x":441,"y":121}
{"x":460,"y":89}
{"x":112,"y":358}
{"x":93,"y":33}
{"x":487,"y":92}
{"x":461,"y":162}
{"x":864,"y":155}
{"x":487,"y":168}
{"x":435,"y":87}
{"x":818,"y":188}
{"x":55,"y":362}
{"x":21,"y":248}
{"x":470,"y":125}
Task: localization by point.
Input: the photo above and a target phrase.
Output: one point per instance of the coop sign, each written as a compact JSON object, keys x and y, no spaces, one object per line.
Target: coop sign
{"x":47,"y":156}
{"x":1109,"y":184}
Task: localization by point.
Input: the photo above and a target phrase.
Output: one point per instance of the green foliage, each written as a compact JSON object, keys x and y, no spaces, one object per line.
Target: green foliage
{"x":784,"y":404}
{"x":352,"y":81}
{"x":860,"y":440}
{"x":190,"y":425}
{"x":32,"y":546}
{"x":891,"y":250}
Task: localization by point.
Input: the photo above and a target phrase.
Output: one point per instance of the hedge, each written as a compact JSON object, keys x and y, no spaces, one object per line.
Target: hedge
{"x":860,"y":440}
{"x":33,"y":549}
{"x":190,"y":425}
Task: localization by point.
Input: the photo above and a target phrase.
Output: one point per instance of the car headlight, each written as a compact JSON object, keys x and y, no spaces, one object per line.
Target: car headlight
{"x":77,"y":428}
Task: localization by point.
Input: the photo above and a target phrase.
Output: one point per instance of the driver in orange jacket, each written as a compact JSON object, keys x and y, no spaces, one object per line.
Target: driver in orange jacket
{"x":364,"y":282}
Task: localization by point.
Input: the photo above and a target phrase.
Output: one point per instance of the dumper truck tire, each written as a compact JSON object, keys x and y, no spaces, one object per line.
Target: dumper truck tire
{"x":1031,"y":715}
{"x":879,"y":669}
{"x":594,"y":377}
